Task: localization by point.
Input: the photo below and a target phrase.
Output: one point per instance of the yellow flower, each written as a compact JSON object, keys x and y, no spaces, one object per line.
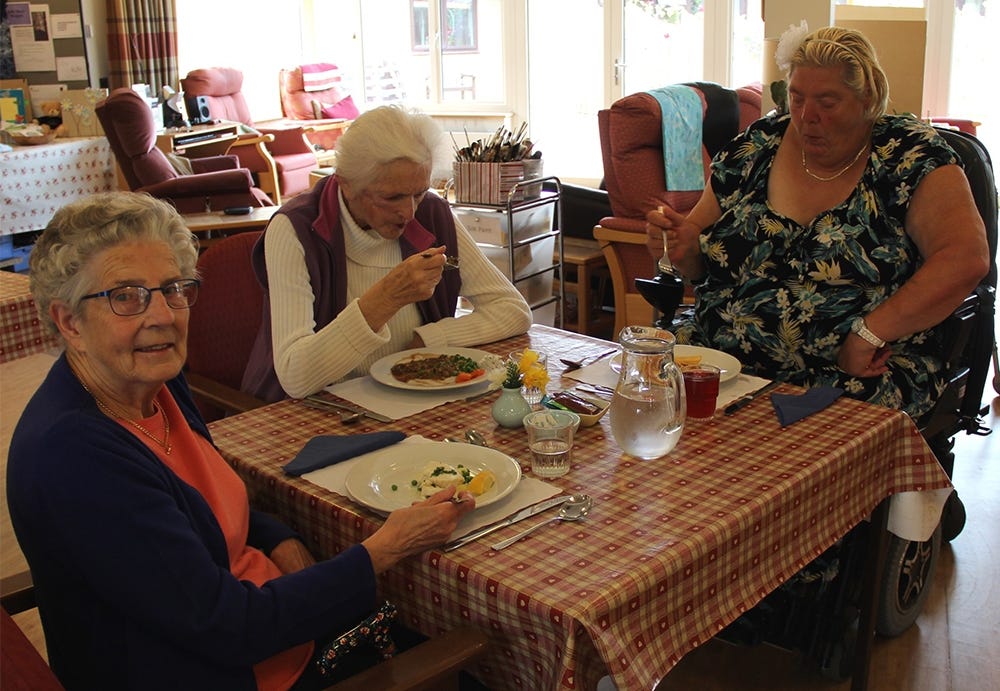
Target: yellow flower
{"x":528,"y":359}
{"x":536,"y":376}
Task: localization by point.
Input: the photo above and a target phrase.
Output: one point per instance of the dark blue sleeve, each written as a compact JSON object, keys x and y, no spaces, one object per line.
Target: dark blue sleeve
{"x":266,"y":531}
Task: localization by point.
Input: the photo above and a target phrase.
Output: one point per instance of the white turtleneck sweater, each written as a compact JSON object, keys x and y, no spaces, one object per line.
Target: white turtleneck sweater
{"x":307,"y":360}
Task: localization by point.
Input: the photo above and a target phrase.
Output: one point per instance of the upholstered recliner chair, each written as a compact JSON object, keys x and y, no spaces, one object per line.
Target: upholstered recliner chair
{"x":280,"y":157}
{"x":324,"y":128}
{"x":217,"y":182}
{"x":631,"y":133}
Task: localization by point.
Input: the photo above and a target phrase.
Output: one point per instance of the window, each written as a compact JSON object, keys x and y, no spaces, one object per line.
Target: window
{"x":458,"y":18}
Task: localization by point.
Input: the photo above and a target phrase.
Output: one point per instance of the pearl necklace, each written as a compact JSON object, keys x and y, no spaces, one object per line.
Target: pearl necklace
{"x":838,"y":173}
{"x":107,"y":410}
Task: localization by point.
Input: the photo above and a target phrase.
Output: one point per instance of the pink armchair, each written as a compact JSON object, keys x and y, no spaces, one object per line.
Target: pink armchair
{"x":217,"y":181}
{"x":280,"y":157}
{"x":631,"y":132}
{"x":308,"y":106}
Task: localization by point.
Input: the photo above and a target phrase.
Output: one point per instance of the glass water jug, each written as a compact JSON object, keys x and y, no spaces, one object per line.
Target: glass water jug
{"x":649,"y":406}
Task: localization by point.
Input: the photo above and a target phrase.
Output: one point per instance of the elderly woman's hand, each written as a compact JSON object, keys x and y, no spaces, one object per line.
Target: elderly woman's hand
{"x":416,"y":528}
{"x":681,"y":237}
{"x":291,"y":555}
{"x":859,"y":358}
{"x":412,"y":280}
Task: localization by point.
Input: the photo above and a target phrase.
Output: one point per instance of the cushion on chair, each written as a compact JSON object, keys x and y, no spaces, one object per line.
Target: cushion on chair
{"x":344,"y":109}
{"x":296,"y":102}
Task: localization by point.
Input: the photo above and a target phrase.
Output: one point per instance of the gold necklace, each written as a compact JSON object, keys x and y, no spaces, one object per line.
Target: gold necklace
{"x":838,"y":173}
{"x":107,"y":410}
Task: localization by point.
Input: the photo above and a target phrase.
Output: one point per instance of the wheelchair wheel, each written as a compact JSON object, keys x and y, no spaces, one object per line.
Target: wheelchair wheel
{"x":909,"y":569}
{"x":952,"y":517}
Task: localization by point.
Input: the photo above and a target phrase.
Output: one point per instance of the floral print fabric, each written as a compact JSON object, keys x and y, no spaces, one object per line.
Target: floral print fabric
{"x":781,"y":296}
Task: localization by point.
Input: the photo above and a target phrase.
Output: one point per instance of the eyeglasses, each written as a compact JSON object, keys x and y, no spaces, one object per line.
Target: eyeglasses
{"x":128,"y":301}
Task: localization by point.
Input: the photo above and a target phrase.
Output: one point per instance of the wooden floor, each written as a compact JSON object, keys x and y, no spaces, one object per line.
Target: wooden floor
{"x":954,"y":645}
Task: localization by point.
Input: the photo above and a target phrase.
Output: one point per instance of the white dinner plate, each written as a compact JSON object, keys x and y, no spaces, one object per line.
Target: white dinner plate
{"x":381,"y":369}
{"x":729,"y":365}
{"x":370,"y":481}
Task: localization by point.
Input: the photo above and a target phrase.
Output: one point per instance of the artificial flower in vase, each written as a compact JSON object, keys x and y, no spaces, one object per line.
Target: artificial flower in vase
{"x":510,"y":408}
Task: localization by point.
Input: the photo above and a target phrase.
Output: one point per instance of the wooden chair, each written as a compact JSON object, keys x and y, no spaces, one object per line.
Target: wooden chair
{"x":434,"y":665}
{"x":223,"y":327}
{"x":631,"y":133}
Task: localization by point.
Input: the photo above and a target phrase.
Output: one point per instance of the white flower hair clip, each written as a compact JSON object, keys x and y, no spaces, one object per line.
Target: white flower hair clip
{"x":789,"y":43}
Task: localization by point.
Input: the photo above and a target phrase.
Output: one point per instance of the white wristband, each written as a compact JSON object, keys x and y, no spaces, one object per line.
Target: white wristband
{"x":861,"y":329}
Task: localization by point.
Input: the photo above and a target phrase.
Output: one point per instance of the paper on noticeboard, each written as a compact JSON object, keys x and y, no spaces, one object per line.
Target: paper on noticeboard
{"x":66,"y":26}
{"x":32,"y":43}
{"x":71,"y":69}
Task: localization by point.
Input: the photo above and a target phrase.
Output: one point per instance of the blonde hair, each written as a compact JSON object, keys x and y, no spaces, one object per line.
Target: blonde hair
{"x":82,"y":229}
{"x":834,"y":46}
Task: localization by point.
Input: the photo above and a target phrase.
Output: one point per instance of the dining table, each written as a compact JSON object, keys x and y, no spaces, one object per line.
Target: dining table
{"x":21,"y":332}
{"x":672,"y":551}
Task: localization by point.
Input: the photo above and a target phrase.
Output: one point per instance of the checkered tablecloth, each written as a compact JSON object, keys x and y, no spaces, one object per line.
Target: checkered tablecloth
{"x":21,"y":333}
{"x":673,"y":550}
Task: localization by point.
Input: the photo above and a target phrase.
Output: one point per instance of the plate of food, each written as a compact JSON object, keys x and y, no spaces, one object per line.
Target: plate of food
{"x":420,"y":369}
{"x":689,"y":356}
{"x":398,"y":475}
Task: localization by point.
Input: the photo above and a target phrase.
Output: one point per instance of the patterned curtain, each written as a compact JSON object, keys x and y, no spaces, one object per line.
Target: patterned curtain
{"x":142,"y":43}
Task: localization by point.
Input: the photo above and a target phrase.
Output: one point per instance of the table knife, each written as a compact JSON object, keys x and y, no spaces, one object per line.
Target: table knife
{"x":526,"y":512}
{"x":747,"y":398}
{"x":323,"y":404}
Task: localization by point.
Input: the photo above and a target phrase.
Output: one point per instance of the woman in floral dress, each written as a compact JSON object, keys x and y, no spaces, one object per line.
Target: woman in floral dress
{"x":829,"y":242}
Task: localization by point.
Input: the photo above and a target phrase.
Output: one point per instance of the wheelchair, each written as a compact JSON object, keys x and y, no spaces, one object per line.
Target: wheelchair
{"x":816,"y":612}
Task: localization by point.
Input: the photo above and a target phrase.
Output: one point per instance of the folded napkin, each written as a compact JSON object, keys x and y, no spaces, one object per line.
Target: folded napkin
{"x":325,"y":450}
{"x":793,"y":407}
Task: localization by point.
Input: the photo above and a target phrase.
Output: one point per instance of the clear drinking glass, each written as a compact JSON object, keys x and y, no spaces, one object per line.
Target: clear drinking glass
{"x":649,"y":406}
{"x":532,"y":394}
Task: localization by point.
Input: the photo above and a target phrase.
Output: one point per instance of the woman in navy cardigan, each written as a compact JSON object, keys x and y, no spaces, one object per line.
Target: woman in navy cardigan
{"x":151,"y":570}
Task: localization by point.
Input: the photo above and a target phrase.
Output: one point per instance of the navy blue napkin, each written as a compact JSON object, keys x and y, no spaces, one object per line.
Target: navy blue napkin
{"x":319,"y":452}
{"x":793,"y":407}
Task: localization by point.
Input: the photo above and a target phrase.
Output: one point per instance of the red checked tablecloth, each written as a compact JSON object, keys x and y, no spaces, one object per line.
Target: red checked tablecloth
{"x":36,"y":181}
{"x":21,"y":334}
{"x":673,"y":550}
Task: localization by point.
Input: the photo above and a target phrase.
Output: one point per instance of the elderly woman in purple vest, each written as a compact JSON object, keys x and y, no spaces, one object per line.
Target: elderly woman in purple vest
{"x":353,"y":269}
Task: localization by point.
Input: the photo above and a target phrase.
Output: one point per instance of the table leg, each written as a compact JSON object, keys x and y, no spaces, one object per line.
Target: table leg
{"x":878,"y":543}
{"x":583,"y":298}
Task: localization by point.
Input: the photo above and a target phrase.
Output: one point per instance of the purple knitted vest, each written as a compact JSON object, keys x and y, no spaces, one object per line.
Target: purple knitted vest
{"x":316,"y":219}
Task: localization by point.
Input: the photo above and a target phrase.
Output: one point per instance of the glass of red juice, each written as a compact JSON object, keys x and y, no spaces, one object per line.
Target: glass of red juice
{"x":701,"y":385}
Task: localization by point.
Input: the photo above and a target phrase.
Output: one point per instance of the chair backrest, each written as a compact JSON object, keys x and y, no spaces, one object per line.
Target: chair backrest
{"x":631,"y":134}
{"x":969,"y":333}
{"x":128,"y":123}
{"x":297,"y":103}
{"x":225,"y":319}
{"x":222,"y":87}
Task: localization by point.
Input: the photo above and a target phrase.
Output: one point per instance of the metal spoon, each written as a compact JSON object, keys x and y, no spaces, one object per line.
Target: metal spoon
{"x":476,"y":437}
{"x":576,"y":508}
{"x":577,"y":364}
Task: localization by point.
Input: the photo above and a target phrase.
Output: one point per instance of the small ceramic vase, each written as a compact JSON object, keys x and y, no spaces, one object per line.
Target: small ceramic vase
{"x":510,"y":408}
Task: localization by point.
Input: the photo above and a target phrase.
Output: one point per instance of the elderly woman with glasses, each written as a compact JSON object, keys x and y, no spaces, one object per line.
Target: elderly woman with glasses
{"x":354,"y":269}
{"x":151,"y":570}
